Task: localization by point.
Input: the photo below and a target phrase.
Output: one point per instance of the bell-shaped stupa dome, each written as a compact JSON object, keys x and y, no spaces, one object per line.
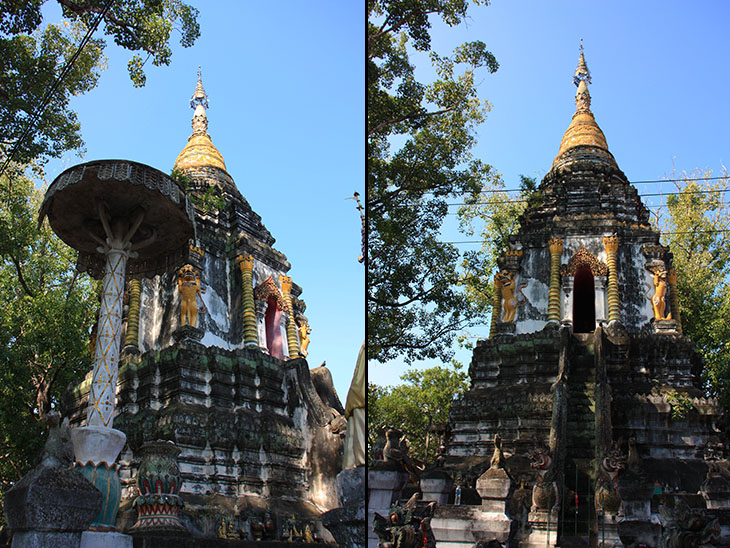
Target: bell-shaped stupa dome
{"x":199,"y":152}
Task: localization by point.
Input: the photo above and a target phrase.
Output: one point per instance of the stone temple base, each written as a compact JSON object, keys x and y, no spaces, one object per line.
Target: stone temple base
{"x":462,"y":526}
{"x":189,"y":542}
{"x":52,"y":539}
{"x":97,"y":539}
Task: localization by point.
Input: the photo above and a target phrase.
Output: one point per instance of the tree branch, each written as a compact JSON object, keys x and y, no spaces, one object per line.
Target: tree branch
{"x":21,"y":278}
{"x":411,"y":116}
{"x":81,"y":9}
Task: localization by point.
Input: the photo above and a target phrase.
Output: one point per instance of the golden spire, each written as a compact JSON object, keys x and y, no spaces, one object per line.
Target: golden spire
{"x":199,"y":150}
{"x":583,"y":129}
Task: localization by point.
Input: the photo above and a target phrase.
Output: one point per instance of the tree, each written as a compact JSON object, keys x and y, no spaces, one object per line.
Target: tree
{"x":697,"y":231}
{"x":494,"y":216}
{"x":33,"y":57}
{"x":46,"y":311}
{"x":416,"y":407}
{"x":415,"y":307}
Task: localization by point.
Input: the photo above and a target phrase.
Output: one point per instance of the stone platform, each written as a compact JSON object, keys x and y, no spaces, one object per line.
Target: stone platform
{"x":190,"y":542}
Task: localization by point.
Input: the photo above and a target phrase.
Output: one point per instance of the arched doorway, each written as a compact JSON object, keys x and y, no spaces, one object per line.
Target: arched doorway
{"x":584,"y":300}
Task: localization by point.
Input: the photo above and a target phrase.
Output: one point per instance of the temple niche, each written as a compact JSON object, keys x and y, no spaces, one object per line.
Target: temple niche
{"x":587,"y":386}
{"x":213,"y":361}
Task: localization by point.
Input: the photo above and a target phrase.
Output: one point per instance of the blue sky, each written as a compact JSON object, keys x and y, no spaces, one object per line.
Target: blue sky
{"x":660,"y":91}
{"x":285,"y":83}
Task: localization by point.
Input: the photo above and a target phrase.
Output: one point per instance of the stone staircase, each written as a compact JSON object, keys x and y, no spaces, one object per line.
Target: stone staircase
{"x":581,"y":438}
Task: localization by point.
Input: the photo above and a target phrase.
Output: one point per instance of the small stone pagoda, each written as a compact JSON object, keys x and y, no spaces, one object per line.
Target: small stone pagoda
{"x":606,"y":434}
{"x":213,"y":360}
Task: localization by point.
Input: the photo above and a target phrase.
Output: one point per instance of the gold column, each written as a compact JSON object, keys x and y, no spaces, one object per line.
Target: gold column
{"x":674,"y":297}
{"x":291,"y":329}
{"x":250,"y":335}
{"x":611,"y":244}
{"x":556,"y":250}
{"x":132,"y":336}
{"x":496,"y":305}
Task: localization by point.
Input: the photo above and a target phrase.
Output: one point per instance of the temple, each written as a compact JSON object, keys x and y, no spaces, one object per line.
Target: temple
{"x":213,"y":360}
{"x":586,"y":422}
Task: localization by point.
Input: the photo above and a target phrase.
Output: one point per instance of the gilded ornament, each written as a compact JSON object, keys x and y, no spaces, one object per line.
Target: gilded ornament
{"x":266,"y":290}
{"x":556,"y":245}
{"x":188,"y":284}
{"x":584,"y":258}
{"x":510,"y":303}
{"x":659,"y":299}
{"x":304,"y":331}
{"x":611,"y":244}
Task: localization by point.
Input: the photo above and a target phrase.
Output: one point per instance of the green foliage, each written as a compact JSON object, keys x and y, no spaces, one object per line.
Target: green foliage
{"x":696,"y":232}
{"x":46,"y":311}
{"x":681,"y":403}
{"x":206,"y":200}
{"x":416,"y":406}
{"x":415,"y":307}
{"x":143,"y":26}
{"x":33,"y":56}
{"x":493,"y":217}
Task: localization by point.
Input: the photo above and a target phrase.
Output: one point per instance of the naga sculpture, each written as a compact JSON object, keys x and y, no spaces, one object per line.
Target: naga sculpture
{"x":545,"y":492}
{"x":510,"y":303}
{"x":188,"y":283}
{"x":607,"y":497}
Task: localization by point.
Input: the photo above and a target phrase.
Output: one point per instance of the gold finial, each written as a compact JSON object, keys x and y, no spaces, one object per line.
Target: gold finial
{"x":199,"y":97}
{"x":582,"y":73}
{"x":582,"y":78}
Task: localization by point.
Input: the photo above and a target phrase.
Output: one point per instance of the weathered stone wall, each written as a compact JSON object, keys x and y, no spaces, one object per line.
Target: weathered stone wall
{"x":251,"y":428}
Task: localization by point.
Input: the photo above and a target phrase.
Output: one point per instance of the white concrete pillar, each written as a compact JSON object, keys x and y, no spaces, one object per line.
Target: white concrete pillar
{"x":567,"y":294}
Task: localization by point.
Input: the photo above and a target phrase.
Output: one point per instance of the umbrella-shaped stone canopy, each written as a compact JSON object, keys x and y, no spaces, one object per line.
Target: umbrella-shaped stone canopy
{"x":127,"y":191}
{"x":123,"y":217}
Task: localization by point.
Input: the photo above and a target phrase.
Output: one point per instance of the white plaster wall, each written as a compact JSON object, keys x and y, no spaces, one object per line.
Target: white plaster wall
{"x":638,"y":261}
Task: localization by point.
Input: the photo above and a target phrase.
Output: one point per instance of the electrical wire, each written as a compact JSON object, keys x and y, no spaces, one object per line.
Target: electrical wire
{"x":31,"y":121}
{"x":648,"y":181}
{"x":677,"y":232}
{"x":521,"y":200}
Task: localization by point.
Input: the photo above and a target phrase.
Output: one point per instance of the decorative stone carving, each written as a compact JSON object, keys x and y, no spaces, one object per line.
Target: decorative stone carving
{"x":653,"y":251}
{"x":545,"y":492}
{"x":405,"y":527}
{"x":158,"y":481}
{"x":583,"y":257}
{"x":607,"y":497}
{"x":52,"y":504}
{"x":267,"y":289}
{"x":396,"y":450}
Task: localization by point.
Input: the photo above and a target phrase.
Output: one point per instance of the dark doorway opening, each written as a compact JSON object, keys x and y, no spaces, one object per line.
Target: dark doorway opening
{"x":584,"y":301}
{"x":272,"y":321}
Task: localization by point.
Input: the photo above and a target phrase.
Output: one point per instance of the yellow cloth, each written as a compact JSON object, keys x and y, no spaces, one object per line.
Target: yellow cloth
{"x":356,"y":394}
{"x":354,"y":454}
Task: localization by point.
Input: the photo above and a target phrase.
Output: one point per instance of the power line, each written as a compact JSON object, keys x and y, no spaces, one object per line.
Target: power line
{"x":647,"y":181}
{"x":518,"y":200}
{"x":677,"y":232}
{"x":47,"y":97}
